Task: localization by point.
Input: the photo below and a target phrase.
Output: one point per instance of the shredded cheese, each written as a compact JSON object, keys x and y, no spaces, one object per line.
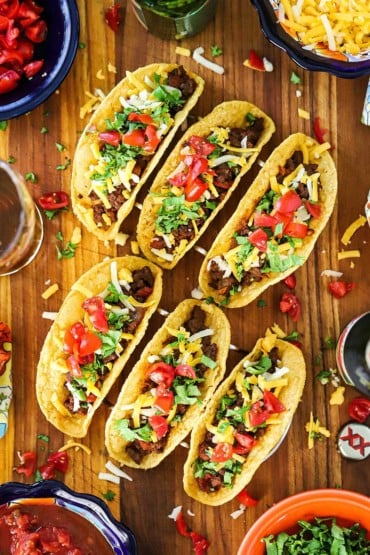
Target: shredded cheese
{"x":134,"y":247}
{"x":352,"y":228}
{"x":315,"y":431}
{"x":348,"y":254}
{"x":71,"y":443}
{"x":337,"y":397}
{"x":182,"y":51}
{"x":303,"y":113}
{"x":50,"y":291}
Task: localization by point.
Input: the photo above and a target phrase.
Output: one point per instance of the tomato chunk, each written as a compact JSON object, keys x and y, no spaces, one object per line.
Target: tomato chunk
{"x":222,"y":452}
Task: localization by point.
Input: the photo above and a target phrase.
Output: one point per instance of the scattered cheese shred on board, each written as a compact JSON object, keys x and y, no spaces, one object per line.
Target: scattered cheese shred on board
{"x":100,"y":75}
{"x":76,"y":236}
{"x":90,"y":105}
{"x":348,"y":254}
{"x":71,"y":443}
{"x":111,"y":68}
{"x":337,"y":397}
{"x":121,"y":239}
{"x":182,"y":51}
{"x":315,"y":430}
{"x":352,"y":228}
{"x":303,"y":113}
{"x":135,"y":247}
{"x":50,"y":291}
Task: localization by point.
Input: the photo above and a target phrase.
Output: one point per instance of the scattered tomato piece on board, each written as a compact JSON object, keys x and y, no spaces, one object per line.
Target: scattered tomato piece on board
{"x":254,"y":61}
{"x":291,"y":304}
{"x":113,"y":17}
{"x":359,"y":409}
{"x":340,"y":288}
{"x":245,"y":499}
{"x":319,"y":131}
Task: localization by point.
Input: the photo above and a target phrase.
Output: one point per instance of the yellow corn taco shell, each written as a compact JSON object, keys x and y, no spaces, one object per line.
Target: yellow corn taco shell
{"x":130,"y":400}
{"x":52,"y":369}
{"x":88,"y":145}
{"x":226,"y":115}
{"x":326,"y":196}
{"x":276,"y":427}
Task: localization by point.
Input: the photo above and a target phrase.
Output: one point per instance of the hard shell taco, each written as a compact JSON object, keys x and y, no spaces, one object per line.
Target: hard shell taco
{"x":124,"y":141}
{"x":169,"y":386}
{"x":275,"y":225}
{"x":245,"y":419}
{"x":100,"y":322}
{"x":198,"y":177}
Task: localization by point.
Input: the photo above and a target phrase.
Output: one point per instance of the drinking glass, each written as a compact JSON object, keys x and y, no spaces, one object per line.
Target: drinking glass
{"x":21,"y":227}
{"x":174,"y":19}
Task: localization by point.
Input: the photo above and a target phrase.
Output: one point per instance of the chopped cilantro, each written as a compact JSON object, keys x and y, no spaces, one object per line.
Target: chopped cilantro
{"x":11,"y":160}
{"x":324,"y":376}
{"x":67,"y":250}
{"x":60,"y":147}
{"x":43,"y":437}
{"x":174,"y":212}
{"x":3,"y":125}
{"x":330,"y":343}
{"x":81,"y":45}
{"x":294,"y":78}
{"x":261,"y":303}
{"x":216,"y":51}
{"x":37,"y":476}
{"x":65,"y":165}
{"x":109,"y":495}
{"x":31,"y":176}
{"x":51,"y":213}
{"x":44,"y":130}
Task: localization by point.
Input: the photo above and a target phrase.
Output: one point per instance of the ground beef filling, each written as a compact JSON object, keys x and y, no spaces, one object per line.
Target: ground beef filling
{"x":223,"y":180}
{"x":223,"y":285}
{"x":140,"y":289}
{"x":138,"y":449}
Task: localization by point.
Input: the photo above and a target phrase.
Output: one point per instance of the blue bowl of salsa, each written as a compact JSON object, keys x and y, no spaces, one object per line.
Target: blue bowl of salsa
{"x":60,"y":521}
{"x":57,"y":48}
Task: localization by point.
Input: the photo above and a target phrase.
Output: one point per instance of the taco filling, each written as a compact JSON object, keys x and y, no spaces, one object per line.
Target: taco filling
{"x":265,"y":242}
{"x":208,"y":167}
{"x":174,"y":382}
{"x":93,"y":344}
{"x":243,"y":415}
{"x":131,"y":138}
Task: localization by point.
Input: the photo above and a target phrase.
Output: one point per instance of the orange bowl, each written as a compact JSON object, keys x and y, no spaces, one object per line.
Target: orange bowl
{"x":343,"y":505}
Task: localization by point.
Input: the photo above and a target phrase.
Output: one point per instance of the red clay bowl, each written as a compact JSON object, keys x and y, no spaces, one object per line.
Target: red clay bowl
{"x":342,"y":504}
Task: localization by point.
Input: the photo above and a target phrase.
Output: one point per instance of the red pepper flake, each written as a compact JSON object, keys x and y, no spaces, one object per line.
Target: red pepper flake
{"x":340,"y":288}
{"x":113,"y":17}
{"x":359,"y":409}
{"x":200,"y":543}
{"x":291,"y":304}
{"x":245,"y":499}
{"x":319,"y":131}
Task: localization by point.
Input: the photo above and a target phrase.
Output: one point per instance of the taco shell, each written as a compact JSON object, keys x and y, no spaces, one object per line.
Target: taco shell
{"x":223,"y":244}
{"x":230,"y":114}
{"x":131,"y":393}
{"x":290,"y":357}
{"x":52,"y":368}
{"x":85,"y":155}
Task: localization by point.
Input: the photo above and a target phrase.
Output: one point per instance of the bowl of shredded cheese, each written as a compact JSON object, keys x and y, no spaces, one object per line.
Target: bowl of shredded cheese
{"x":320,"y":35}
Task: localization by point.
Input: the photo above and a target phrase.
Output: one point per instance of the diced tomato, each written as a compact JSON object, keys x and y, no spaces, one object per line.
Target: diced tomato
{"x":290,"y":281}
{"x":90,"y":343}
{"x":3,"y":23}
{"x":245,"y":499}
{"x":272,"y":403}
{"x":164,"y":399}
{"x":54,"y":201}
{"x":290,"y":303}
{"x":181,"y":525}
{"x":319,"y":131}
{"x":222,"y":452}
{"x":74,"y":366}
{"x":313,"y":208}
{"x":161,"y":373}
{"x":151,"y":138}
{"x":359,"y":409}
{"x":141,"y":118}
{"x":47,"y":471}
{"x":111,"y":137}
{"x":5,"y":353}
{"x":8,"y":80}
{"x":258,"y":414}
{"x":247,"y":441}
{"x":28,"y":463}
{"x":143,"y":292}
{"x":60,"y":460}
{"x":199,"y":166}
{"x":200,"y":543}
{"x":11,"y":35}
{"x":186,"y":371}
{"x":113,"y":17}
{"x":178,"y":180}
{"x":97,"y":313}
{"x":340,"y":288}
{"x":159,"y":425}
{"x":200,"y":145}
{"x":136,"y":137}
{"x":32,"y":68}
{"x":289,"y":202}
{"x":25,"y":49}
{"x":27,"y":14}
{"x":9,"y":8}
{"x":296,"y":229}
{"x":194,"y":190}
{"x":261,"y":219}
{"x":258,"y":238}
{"x":37,"y":32}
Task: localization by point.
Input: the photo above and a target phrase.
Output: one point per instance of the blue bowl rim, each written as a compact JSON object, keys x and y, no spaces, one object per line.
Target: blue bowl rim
{"x":29,"y":102}
{"x":11,"y":491}
{"x":304,"y":58}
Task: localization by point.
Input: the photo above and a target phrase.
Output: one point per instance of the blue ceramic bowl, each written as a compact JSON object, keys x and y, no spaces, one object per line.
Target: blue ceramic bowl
{"x":311,"y":60}
{"x":117,"y":535}
{"x":58,"y":52}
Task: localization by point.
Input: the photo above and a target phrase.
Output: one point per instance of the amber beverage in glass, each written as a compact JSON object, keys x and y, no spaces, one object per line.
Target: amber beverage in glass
{"x":21,"y":228}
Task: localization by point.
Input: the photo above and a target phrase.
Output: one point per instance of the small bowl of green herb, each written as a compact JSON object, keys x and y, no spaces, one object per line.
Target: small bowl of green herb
{"x":318,"y":521}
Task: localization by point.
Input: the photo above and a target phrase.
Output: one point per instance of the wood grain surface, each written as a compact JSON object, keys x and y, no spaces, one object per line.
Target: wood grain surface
{"x":144,"y":503}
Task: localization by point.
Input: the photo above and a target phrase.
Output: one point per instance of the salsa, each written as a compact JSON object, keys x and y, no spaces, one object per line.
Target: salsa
{"x":48,"y":528}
